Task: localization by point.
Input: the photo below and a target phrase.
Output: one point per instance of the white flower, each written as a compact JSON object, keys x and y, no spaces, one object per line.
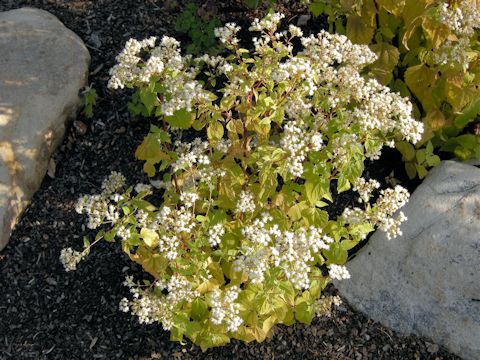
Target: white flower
{"x":245,"y":203}
{"x":189,"y":198}
{"x":365,"y":188}
{"x":224,"y":309}
{"x":70,"y":258}
{"x":268,"y":23}
{"x":338,"y":272}
{"x":227,"y":34}
{"x":215,"y":234}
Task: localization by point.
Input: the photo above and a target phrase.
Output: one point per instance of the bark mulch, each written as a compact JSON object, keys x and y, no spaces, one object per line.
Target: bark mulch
{"x":46,"y":313}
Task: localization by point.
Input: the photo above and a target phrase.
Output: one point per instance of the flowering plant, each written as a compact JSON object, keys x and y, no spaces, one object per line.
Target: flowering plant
{"x":428,"y":50}
{"x":241,"y":241}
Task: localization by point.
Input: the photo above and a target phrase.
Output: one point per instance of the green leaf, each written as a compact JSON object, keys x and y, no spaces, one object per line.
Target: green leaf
{"x":462,"y":153}
{"x":215,"y":130}
{"x":348,"y":244}
{"x":336,"y":254}
{"x":313,"y":191}
{"x":420,"y":80}
{"x":199,"y":310}
{"x":150,"y":237}
{"x":181,"y":119}
{"x":295,"y":212}
{"x":382,"y":68}
{"x":421,"y":156}
{"x":468,"y":141}
{"x":411,"y":170}
{"x":148,"y":98}
{"x":358,"y":31}
{"x":343,"y":184}
{"x":433,"y":160}
{"x":316,"y":8}
{"x":304,"y":310}
{"x":468,"y":114}
{"x":315,"y":217}
{"x":421,"y":170}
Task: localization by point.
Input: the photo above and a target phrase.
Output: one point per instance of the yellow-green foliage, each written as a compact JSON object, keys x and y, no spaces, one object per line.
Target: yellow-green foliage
{"x":420,"y":54}
{"x":241,"y":240}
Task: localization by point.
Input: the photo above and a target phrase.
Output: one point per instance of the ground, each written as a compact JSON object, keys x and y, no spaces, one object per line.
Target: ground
{"x":46,"y":313}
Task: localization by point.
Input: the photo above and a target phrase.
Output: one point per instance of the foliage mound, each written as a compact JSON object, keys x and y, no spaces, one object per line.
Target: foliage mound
{"x":241,"y":240}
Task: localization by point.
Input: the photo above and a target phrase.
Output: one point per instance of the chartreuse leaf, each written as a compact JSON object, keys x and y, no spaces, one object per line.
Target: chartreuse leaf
{"x":316,"y":8}
{"x":382,"y":68}
{"x":304,"y":309}
{"x":148,"y":98}
{"x":457,"y":94}
{"x":336,"y":254}
{"x":358,"y":30}
{"x":199,"y":310}
{"x":468,"y":114}
{"x":181,"y":119}
{"x":151,"y":151}
{"x":295,"y":212}
{"x":152,"y":262}
{"x":411,"y":170}
{"x":150,"y":237}
{"x":406,"y":149}
{"x":420,"y":80}
{"x":215,"y":130}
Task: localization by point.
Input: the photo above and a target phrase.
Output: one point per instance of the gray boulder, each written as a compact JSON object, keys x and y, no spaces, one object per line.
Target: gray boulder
{"x":42,"y":67}
{"x":427,"y":282}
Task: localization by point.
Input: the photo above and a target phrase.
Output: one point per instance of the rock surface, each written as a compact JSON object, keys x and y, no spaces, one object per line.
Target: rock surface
{"x":43,"y":65}
{"x":428,"y":280}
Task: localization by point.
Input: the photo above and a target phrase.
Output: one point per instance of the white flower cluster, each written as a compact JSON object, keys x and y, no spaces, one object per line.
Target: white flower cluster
{"x":365,"y":189}
{"x":338,"y":272}
{"x":165,"y":63}
{"x":113,"y":183}
{"x":127,"y":70}
{"x":380,"y":214}
{"x":215,"y":234}
{"x":98,"y":207}
{"x":168,"y":245}
{"x":268,"y":24}
{"x":295,"y":31}
{"x":175,"y":221}
{"x":245,"y":203}
{"x":190,"y":154}
{"x":70,"y":258}
{"x":297,"y":140}
{"x":143,"y":188}
{"x":337,"y":64}
{"x":454,"y":53}
{"x":224,"y":309}
{"x":150,"y":307}
{"x":228,"y":34}
{"x":268,"y":247}
{"x":461,"y":16}
{"x":189,"y":198}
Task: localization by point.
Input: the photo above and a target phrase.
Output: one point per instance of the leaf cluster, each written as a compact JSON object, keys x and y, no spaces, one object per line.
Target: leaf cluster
{"x":200,"y":29}
{"x":406,"y":36}
{"x":243,"y":115}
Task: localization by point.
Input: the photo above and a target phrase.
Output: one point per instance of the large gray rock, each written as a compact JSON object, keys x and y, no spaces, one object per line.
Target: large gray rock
{"x":42,"y":67}
{"x":427,"y":281}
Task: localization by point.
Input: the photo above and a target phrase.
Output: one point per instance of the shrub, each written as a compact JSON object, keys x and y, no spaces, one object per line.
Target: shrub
{"x":242,"y":240}
{"x":428,"y":50}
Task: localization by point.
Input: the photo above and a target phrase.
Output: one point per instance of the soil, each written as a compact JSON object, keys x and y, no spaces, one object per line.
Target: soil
{"x":46,"y":313}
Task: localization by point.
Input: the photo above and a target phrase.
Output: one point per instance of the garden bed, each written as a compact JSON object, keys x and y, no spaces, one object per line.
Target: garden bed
{"x":46,"y":313}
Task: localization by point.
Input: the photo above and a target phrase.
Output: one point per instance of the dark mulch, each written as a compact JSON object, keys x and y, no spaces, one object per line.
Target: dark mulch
{"x":46,"y":313}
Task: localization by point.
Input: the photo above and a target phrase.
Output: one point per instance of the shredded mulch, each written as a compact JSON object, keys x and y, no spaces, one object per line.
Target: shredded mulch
{"x":46,"y":313}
